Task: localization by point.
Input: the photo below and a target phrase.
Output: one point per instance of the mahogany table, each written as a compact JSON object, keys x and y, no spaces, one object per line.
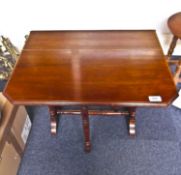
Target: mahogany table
{"x":92,"y":68}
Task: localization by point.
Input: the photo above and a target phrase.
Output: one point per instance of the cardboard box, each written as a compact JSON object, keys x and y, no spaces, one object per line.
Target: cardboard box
{"x":8,"y":112}
{"x":2,"y":103}
{"x":2,"y":100}
{"x":14,"y":129}
{"x":21,"y":126}
{"x":9,"y":161}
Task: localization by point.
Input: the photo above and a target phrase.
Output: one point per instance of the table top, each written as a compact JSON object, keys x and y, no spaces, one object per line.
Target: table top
{"x":123,"y":67}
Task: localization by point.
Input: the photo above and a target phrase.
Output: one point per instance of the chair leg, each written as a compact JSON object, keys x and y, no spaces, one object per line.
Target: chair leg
{"x":53,"y":119}
{"x":172,"y":47}
{"x":85,"y":122}
{"x":177,"y":72}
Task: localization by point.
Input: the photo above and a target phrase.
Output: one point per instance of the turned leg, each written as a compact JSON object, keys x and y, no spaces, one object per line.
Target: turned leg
{"x":177,"y":72}
{"x":131,"y":121}
{"x":85,"y":122}
{"x":53,"y":119}
{"x":172,"y":47}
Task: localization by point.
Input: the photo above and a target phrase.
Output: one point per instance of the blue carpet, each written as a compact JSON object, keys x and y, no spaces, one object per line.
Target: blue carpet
{"x":2,"y":84}
{"x":156,"y":150}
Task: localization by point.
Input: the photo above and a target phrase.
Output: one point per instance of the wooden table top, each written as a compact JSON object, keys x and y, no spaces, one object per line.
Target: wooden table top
{"x":91,"y":67}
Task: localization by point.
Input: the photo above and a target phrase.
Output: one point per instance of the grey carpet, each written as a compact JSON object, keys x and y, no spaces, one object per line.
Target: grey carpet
{"x":156,"y":150}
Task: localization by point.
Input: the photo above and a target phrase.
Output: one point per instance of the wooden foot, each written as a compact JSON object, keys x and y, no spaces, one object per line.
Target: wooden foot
{"x":53,"y":119}
{"x":85,"y":122}
{"x":132,"y":122}
{"x":172,"y":47}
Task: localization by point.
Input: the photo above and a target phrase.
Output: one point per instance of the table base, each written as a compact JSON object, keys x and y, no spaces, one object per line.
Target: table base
{"x":129,"y":113}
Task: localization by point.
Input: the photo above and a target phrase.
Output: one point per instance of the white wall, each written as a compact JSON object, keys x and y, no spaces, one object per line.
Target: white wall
{"x":20,"y":16}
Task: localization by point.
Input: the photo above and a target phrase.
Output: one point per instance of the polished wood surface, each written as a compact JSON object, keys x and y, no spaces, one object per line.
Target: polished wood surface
{"x":174,"y":23}
{"x":91,"y":67}
{"x":85,"y":123}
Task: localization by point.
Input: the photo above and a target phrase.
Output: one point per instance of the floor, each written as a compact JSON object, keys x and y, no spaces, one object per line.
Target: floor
{"x":155,"y":150}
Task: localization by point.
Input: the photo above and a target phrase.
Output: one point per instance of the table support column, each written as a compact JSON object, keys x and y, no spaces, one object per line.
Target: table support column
{"x":132,"y":121}
{"x":53,"y":119}
{"x":85,"y":122}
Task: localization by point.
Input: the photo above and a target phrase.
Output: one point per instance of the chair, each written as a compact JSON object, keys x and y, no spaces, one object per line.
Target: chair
{"x":174,"y":24}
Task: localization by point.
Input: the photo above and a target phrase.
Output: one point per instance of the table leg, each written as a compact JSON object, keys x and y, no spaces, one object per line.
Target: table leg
{"x":131,"y":121}
{"x":85,"y":122}
{"x":176,"y":76}
{"x":53,"y":119}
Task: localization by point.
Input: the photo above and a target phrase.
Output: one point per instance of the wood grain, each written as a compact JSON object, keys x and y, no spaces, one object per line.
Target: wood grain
{"x":91,"y":67}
